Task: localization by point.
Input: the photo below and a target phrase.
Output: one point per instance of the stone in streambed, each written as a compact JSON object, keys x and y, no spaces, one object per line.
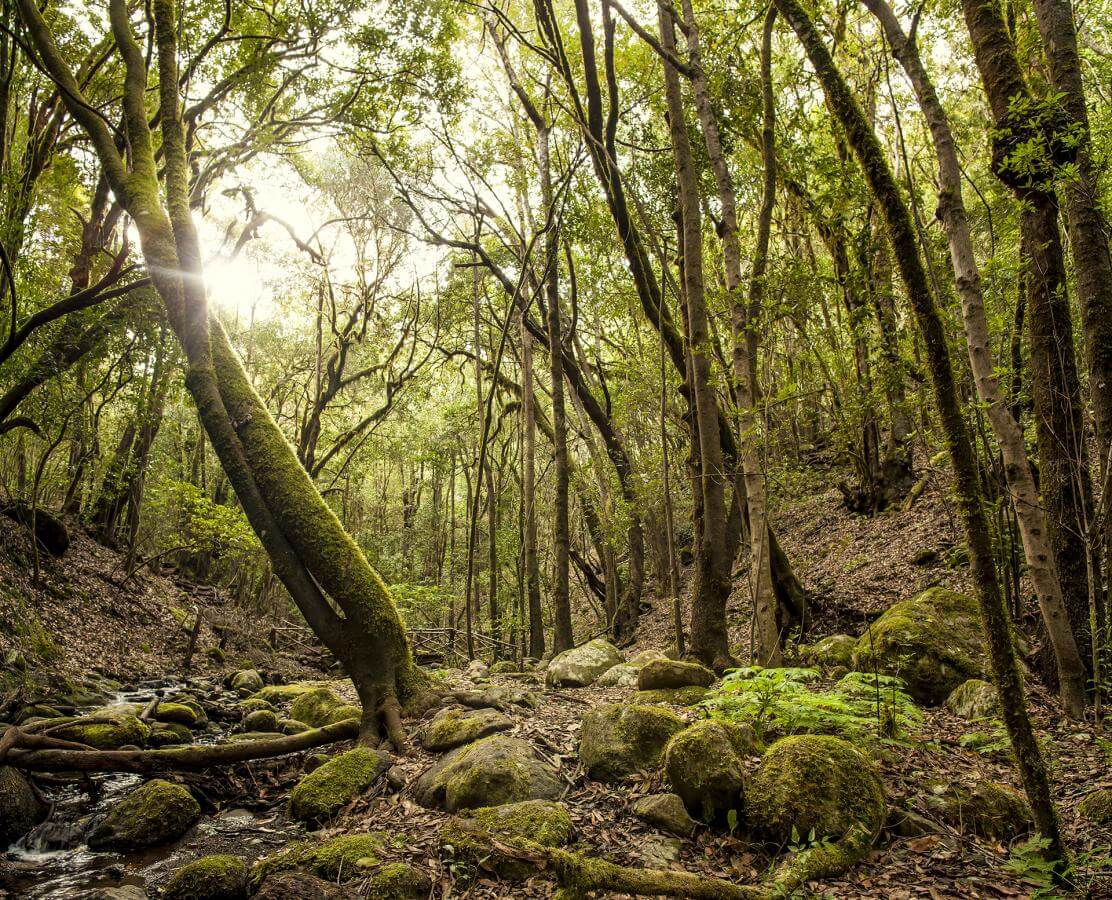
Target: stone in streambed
{"x":20,"y":808}
{"x":216,"y":877}
{"x":154,"y":813}
{"x":340,"y":858}
{"x":467,"y":837}
{"x":322,"y":707}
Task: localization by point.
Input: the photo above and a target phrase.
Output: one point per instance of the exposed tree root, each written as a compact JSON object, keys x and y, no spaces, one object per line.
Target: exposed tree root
{"x":30,"y":752}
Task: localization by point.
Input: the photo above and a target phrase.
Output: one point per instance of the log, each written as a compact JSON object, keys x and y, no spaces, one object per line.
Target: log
{"x":171,"y":759}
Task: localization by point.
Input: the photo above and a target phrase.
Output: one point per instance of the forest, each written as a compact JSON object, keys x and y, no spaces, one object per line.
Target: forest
{"x":555,"y":448}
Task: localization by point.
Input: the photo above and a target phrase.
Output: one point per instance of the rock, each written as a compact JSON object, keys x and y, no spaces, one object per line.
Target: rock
{"x":833,"y":651}
{"x":504,"y":667}
{"x":909,"y":824}
{"x":974,"y":699}
{"x":176,"y":713}
{"x":581,"y":666}
{"x":673,"y":673}
{"x":50,"y":531}
{"x":298,"y":886}
{"x":467,"y":838}
{"x":340,"y":858}
{"x":705,"y":769}
{"x":659,"y":852}
{"x":328,"y":789}
{"x":154,"y":813}
{"x":617,"y":740}
{"x":399,"y":881}
{"x":217,"y":877}
{"x":932,"y":641}
{"x":985,"y":808}
{"x":291,"y":726}
{"x":1096,"y":807}
{"x":261,"y":720}
{"x":395,"y":778}
{"x":685,"y":696}
{"x":254,"y":736}
{"x":164,"y":734}
{"x":20,"y":808}
{"x":666,"y":812}
{"x":477,"y":670}
{"x":284,"y":693}
{"x":489,"y":772}
{"x":322,"y":707}
{"x":621,"y":675}
{"x":814,"y":783}
{"x":112,"y":729}
{"x":123,"y":892}
{"x":251,"y":704}
{"x":645,"y":656}
{"x":455,"y":727}
{"x":247,"y":681}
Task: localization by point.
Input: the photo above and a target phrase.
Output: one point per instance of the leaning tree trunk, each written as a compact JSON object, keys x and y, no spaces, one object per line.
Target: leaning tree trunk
{"x":528,"y":497}
{"x":1017,"y":468}
{"x":901,"y":232}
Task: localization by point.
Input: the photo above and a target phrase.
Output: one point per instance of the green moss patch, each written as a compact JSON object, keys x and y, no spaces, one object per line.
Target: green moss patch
{"x":321,"y":707}
{"x":152,"y":814}
{"x":684,"y":696}
{"x":1097,"y":807}
{"x":111,"y":730}
{"x":217,"y":877}
{"x":338,"y":859}
{"x":328,"y":789}
{"x":616,"y":741}
{"x":467,"y":838}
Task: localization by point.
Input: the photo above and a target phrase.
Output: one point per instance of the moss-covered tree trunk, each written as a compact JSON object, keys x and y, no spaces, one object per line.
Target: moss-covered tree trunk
{"x":901,"y":233}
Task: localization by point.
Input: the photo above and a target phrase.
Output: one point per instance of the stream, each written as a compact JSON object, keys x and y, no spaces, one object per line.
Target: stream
{"x":53,"y":860}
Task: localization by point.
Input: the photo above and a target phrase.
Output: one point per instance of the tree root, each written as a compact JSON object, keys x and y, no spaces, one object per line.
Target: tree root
{"x":26,"y":753}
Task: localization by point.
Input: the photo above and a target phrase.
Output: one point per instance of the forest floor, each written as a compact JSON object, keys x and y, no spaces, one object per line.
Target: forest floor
{"x":856,"y":567}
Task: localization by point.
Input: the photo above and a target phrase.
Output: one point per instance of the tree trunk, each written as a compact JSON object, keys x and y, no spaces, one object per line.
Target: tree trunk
{"x":528,"y":497}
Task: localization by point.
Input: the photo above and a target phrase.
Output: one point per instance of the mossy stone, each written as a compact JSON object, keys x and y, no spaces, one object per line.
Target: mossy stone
{"x":705,"y":768}
{"x":831,"y":652}
{"x":284,"y":693}
{"x":166,"y":733}
{"x":154,"y":813}
{"x":488,"y":772}
{"x":933,"y":641}
{"x":985,"y":808}
{"x":684,"y":696}
{"x":247,"y":681}
{"x":112,"y":730}
{"x":666,"y":812}
{"x":261,"y":720}
{"x":467,"y":837}
{"x":176,"y":713}
{"x":291,"y":726}
{"x":321,"y":707}
{"x":216,"y":877}
{"x":974,"y":699}
{"x":454,"y":727}
{"x":504,"y":667}
{"x":581,"y":666}
{"x":251,"y":704}
{"x":622,"y":675}
{"x":616,"y":740}
{"x":329,"y":788}
{"x":666,"y":674}
{"x":337,"y":859}
{"x":1096,"y":807}
{"x":398,"y":881}
{"x":20,"y":808}
{"x":814,"y":783}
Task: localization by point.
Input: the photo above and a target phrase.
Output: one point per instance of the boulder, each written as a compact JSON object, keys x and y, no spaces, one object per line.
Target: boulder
{"x":291,"y":726}
{"x":685,"y":696}
{"x":622,"y":675}
{"x":154,"y":813}
{"x":20,"y":808}
{"x":299,"y":886}
{"x":932,"y":641}
{"x":704,"y":767}
{"x":454,"y":727}
{"x":398,"y":881}
{"x":329,"y":788}
{"x":488,"y":772}
{"x":974,"y":699}
{"x":340,"y":858}
{"x":163,"y":734}
{"x":217,"y":877}
{"x":617,"y":740}
{"x":177,"y":713}
{"x":984,"y":808}
{"x":666,"y":812}
{"x":247,"y":681}
{"x":832,"y":652}
{"x":322,"y":707}
{"x":813,"y":783}
{"x":467,"y":838}
{"x":505,"y":667}
{"x":668,"y":674}
{"x":581,"y":666}
{"x":1096,"y":807}
{"x":261,"y":720}
{"x":106,"y":729}
{"x":284,"y":693}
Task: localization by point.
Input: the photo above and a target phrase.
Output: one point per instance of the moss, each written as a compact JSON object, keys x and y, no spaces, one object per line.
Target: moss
{"x":1097,"y":807}
{"x":322,"y":707}
{"x":467,"y":838}
{"x":454,"y":727}
{"x":164,"y":733}
{"x":398,"y":881}
{"x":253,"y":704}
{"x":152,"y":814}
{"x":248,"y":681}
{"x":705,"y":769}
{"x":254,"y":736}
{"x":615,"y":741}
{"x":122,"y":730}
{"x":284,"y":693}
{"x":504,"y":667}
{"x":328,"y":789}
{"x":684,"y":696}
{"x":176,"y":713}
{"x":291,"y":726}
{"x":261,"y":720}
{"x":986,"y":808}
{"x":833,"y":651}
{"x":933,"y":641}
{"x":217,"y":877}
{"x":814,"y":784}
{"x":658,"y":674}
{"x":338,"y":859}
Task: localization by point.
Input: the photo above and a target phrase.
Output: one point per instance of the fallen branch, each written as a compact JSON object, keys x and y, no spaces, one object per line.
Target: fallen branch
{"x":170,"y":759}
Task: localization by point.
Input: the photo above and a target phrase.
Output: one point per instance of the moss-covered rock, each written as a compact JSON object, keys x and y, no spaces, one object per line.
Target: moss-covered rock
{"x":1096,"y":807}
{"x":621,"y":675}
{"x":261,"y":720}
{"x":217,"y":877}
{"x":322,"y":707}
{"x":673,"y":673}
{"x":814,"y":783}
{"x":831,"y":652}
{"x":504,"y":667}
{"x":932,"y":641}
{"x":328,"y":789}
{"x":163,"y":734}
{"x":398,"y":881}
{"x":685,"y":696}
{"x":705,"y":768}
{"x":251,"y":704}
{"x":582,"y":666}
{"x":299,"y":885}
{"x":176,"y":713}
{"x":974,"y":699}
{"x":20,"y":808}
{"x":466,"y":838}
{"x":337,"y":859}
{"x":454,"y":727}
{"x":489,"y":772}
{"x":617,"y":740}
{"x":247,"y":681}
{"x":154,"y":813}
{"x":666,"y":812}
{"x":985,"y":808}
{"x":291,"y":726}
{"x":284,"y":693}
{"x":106,"y":729}
{"x":238,"y":736}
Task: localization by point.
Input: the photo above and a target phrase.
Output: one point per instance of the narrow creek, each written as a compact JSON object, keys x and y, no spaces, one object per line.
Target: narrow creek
{"x":54,"y":861}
